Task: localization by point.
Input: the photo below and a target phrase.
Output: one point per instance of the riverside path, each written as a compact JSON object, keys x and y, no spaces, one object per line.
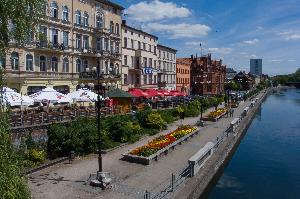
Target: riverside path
{"x":130,"y":180}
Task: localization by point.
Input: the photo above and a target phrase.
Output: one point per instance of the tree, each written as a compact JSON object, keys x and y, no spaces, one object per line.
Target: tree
{"x":18,"y":19}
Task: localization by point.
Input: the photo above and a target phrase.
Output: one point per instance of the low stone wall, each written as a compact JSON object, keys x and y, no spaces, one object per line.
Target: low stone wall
{"x":201,"y":184}
{"x":158,"y":154}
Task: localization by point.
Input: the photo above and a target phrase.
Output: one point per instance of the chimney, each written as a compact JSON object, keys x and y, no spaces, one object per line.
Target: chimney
{"x":124,"y":22}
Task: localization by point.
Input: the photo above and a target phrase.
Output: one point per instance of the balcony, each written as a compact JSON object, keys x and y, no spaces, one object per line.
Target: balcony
{"x":51,"y":46}
{"x":40,"y":75}
{"x":93,"y":75}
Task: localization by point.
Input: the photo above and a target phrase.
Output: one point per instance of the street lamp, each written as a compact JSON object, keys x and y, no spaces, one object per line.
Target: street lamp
{"x":100,"y":170}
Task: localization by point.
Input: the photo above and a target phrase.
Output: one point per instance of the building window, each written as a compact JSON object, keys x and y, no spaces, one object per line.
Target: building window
{"x":85,"y":64}
{"x":85,"y":42}
{"x":15,"y":61}
{"x":54,"y":10}
{"x":132,"y":61}
{"x":99,"y":44}
{"x":78,"y":66}
{"x":149,"y":48}
{"x":145,"y":79}
{"x":66,"y":65}
{"x":106,"y":44}
{"x":150,"y":62}
{"x":125,"y":60}
{"x":54,"y":36}
{"x":29,"y":62}
{"x":132,"y":44}
{"x":117,"y":29}
{"x":65,"y":39}
{"x":86,"y":19}
{"x":144,"y":46}
{"x":155,"y":79}
{"x":77,"y":17}
{"x":139,"y":45}
{"x":125,"y":42}
{"x":117,"y":47}
{"x":2,"y":62}
{"x":125,"y":79}
{"x":78,"y":41}
{"x":150,"y":79}
{"x":112,"y":47}
{"x":43,"y":63}
{"x":99,"y":21}
{"x":65,"y":14}
{"x":154,"y":49}
{"x":111,"y":27}
{"x":54,"y":64}
{"x":145,"y":61}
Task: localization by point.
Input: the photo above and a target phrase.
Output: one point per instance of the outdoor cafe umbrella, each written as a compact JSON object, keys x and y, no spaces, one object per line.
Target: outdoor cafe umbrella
{"x":12,"y":98}
{"x":84,"y":95}
{"x":136,"y":92}
{"x":50,"y":95}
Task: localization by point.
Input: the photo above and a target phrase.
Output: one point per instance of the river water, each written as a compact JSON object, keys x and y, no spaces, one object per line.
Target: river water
{"x":267,"y":162}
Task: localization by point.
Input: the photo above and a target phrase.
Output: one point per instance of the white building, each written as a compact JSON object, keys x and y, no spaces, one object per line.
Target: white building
{"x":167,"y":67}
{"x":139,"y":58}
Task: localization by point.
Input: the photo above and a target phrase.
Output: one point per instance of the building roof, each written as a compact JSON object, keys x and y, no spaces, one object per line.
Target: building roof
{"x":137,"y":30}
{"x":184,"y":61}
{"x":107,"y":2}
{"x":230,"y":70}
{"x":166,"y":47}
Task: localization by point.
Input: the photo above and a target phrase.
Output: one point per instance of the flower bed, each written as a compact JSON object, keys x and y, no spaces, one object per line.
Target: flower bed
{"x":215,"y":115}
{"x":159,"y":145}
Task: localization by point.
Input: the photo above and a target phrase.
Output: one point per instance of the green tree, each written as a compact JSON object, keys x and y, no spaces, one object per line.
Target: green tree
{"x":18,"y":19}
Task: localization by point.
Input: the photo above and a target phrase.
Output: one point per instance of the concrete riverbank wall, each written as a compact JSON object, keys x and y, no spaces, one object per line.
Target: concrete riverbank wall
{"x":201,"y":184}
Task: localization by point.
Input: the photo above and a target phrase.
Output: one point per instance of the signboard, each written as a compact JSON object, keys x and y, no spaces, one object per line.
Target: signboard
{"x":147,"y":71}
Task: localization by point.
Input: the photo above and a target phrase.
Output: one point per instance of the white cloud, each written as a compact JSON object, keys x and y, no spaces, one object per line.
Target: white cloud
{"x":291,"y":60}
{"x":156,"y":10}
{"x":194,"y":43}
{"x":182,"y":30}
{"x":251,"y":42}
{"x":253,"y":56}
{"x":276,"y":60}
{"x":220,"y":50}
{"x":293,"y":37}
{"x":259,"y":28}
{"x":290,"y":35}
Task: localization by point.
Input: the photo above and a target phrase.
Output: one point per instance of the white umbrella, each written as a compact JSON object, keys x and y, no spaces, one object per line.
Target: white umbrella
{"x":50,"y":95}
{"x":84,"y":95}
{"x":13,"y":98}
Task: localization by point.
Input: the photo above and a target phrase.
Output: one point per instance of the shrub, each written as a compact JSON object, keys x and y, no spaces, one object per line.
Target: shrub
{"x":155,"y":121}
{"x":168,"y":115}
{"x":36,"y":156}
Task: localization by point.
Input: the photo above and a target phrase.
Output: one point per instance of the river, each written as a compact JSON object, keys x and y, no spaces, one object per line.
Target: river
{"x":267,"y":162}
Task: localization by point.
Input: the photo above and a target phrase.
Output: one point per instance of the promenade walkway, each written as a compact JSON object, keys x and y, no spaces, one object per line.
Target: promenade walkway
{"x":130,"y":180}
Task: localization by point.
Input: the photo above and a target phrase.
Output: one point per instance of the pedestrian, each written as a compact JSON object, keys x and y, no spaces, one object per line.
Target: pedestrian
{"x":232,"y":111}
{"x":227,"y":112}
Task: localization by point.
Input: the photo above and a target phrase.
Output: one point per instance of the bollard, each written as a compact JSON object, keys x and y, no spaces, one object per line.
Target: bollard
{"x":172,"y":182}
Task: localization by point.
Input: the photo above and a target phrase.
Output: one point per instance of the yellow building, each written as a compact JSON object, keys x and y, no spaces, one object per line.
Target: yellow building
{"x":75,"y":38}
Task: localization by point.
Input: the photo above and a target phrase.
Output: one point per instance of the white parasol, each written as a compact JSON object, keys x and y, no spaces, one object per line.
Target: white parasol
{"x":84,"y":95}
{"x":13,"y":98}
{"x":50,"y":95}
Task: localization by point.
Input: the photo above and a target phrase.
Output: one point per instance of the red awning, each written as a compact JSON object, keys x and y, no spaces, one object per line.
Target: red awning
{"x":176,"y":93}
{"x":136,"y":92}
{"x":153,"y":93}
{"x":164,"y":92}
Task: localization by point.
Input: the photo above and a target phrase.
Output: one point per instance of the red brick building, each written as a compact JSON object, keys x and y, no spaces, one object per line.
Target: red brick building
{"x":183,"y":66}
{"x":207,"y":76}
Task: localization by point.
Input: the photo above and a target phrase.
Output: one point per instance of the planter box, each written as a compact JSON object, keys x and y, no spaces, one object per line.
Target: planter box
{"x":155,"y":156}
{"x":214,"y":119}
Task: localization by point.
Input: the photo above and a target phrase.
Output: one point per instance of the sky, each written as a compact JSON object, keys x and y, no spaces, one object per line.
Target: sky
{"x":231,"y":30}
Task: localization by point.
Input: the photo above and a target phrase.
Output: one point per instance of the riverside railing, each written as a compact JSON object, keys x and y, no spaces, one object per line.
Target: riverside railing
{"x":172,"y":184}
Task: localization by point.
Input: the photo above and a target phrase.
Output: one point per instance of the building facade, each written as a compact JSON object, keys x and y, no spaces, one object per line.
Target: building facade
{"x":76,"y":37}
{"x":183,"y":66}
{"x":207,"y":76}
{"x":245,"y":81}
{"x":230,"y":74}
{"x":139,"y":58}
{"x":256,"y":67}
{"x":166,"y":67}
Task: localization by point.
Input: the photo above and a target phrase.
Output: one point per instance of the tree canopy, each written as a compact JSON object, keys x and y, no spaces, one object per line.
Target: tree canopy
{"x":285,"y":79}
{"x":18,"y":19}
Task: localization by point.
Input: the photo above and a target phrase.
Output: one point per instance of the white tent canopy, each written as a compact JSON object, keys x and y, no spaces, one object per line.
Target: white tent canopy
{"x":12,"y":98}
{"x":50,"y":95}
{"x":84,"y":95}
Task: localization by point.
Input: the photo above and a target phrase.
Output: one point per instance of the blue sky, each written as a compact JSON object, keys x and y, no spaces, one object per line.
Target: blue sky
{"x":234,"y":30}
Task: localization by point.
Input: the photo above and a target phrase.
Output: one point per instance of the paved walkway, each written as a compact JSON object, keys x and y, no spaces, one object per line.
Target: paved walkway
{"x":130,"y":180}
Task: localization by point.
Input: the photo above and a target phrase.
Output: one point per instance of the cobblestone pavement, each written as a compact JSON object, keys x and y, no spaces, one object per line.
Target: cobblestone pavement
{"x":130,"y":180}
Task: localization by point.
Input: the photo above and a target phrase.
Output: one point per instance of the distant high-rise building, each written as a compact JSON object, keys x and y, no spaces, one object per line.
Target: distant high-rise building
{"x":256,"y":67}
